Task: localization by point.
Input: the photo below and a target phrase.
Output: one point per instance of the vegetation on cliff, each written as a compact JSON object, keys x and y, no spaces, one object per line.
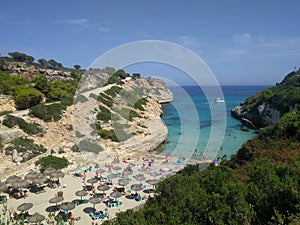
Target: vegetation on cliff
{"x":268,"y":106}
{"x":258,"y":185}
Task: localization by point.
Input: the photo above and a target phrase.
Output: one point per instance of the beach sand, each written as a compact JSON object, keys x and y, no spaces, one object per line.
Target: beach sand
{"x":71,"y":184}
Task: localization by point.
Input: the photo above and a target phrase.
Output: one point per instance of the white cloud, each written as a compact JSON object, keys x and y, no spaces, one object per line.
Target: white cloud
{"x":243,"y":39}
{"x":188,"y":41}
{"x":104,"y":29}
{"x":235,"y":52}
{"x":77,"y":21}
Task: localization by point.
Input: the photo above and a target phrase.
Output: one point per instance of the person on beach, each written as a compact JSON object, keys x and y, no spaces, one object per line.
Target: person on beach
{"x":167,"y":158}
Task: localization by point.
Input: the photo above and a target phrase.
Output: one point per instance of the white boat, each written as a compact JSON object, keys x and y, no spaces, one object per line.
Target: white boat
{"x":219,"y":100}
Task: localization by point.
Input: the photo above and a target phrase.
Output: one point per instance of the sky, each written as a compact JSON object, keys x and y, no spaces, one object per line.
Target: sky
{"x":246,"y":42}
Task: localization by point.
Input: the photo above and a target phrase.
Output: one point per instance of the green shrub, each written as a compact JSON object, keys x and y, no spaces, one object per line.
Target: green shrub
{"x":48,"y":112}
{"x":105,"y":101}
{"x":80,"y":98}
{"x":139,"y":104}
{"x":88,"y":146}
{"x":26,"y":147}
{"x":26,"y":97}
{"x":104,"y":114}
{"x":108,"y":134}
{"x":128,"y":113}
{"x":51,"y":161}
{"x":29,"y":128}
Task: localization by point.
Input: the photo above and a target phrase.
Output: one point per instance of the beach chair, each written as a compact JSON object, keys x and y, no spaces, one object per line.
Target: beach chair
{"x":89,"y":168}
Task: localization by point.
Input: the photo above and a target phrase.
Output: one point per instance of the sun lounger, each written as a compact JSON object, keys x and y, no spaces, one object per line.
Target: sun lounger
{"x":97,"y":216}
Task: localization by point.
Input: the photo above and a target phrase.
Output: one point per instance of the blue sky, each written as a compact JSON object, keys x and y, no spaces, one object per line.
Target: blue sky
{"x":243,"y":42}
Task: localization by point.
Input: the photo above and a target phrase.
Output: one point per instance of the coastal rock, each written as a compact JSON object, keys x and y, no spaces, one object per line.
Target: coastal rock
{"x":7,"y":135}
{"x":266,"y":107}
{"x":7,"y":104}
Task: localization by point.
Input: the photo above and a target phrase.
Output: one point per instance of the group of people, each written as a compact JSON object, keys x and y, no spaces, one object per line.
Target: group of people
{"x":17,"y":194}
{"x":65,"y":216}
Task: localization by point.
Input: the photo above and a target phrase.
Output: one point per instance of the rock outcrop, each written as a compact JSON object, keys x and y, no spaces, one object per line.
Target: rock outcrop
{"x":266,"y":107}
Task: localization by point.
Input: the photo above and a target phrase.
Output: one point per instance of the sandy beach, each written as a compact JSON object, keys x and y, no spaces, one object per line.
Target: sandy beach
{"x":71,"y":183}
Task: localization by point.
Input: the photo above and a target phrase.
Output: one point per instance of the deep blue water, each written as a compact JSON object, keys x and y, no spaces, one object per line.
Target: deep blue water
{"x":189,"y":122}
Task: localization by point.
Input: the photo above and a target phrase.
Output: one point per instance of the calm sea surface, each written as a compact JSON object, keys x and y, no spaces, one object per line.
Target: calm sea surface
{"x":189,"y":122}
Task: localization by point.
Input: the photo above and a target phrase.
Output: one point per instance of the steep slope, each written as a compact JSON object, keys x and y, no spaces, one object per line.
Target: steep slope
{"x":268,"y":106}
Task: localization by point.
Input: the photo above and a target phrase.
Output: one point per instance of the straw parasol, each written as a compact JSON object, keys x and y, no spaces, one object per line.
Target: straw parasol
{"x":31,"y":175}
{"x":57,"y":174}
{"x":3,"y":187}
{"x":39,"y":179}
{"x":155,"y":174}
{"x":116,"y":194}
{"x":117,"y":168}
{"x":140,"y":178}
{"x":92,"y":181}
{"x":94,"y":200}
{"x":127,"y":172}
{"x":81,"y":193}
{"x":48,"y":171}
{"x":136,"y":187}
{"x":123,"y":182}
{"x":19,"y":184}
{"x":112,"y":175}
{"x":103,"y":188}
{"x":12,"y":179}
{"x":24,"y":206}
{"x":56,"y":200}
{"x":100,"y":171}
{"x":67,"y":206}
{"x":35,"y":218}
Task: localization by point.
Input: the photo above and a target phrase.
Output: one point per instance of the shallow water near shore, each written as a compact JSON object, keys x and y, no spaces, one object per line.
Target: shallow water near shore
{"x":186,"y":128}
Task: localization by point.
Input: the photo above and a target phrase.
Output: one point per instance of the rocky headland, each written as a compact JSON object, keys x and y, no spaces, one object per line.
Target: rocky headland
{"x":266,"y":107}
{"x":123,"y":135}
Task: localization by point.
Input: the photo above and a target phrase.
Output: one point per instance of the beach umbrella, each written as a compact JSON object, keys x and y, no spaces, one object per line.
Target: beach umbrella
{"x":140,"y":178}
{"x":112,"y":175}
{"x":67,"y":206}
{"x":136,"y":187}
{"x":31,"y":175}
{"x":35,"y":218}
{"x":143,"y":169}
{"x":39,"y":179}
{"x":81,"y":193}
{"x":94,"y":200}
{"x":117,"y":168}
{"x":151,"y":182}
{"x":127,"y":173}
{"x":116,"y":194}
{"x":3,"y":187}
{"x":56,"y":200}
{"x":123,"y":182}
{"x":154,"y":174}
{"x":48,"y":171}
{"x":100,"y":171}
{"x":12,"y":179}
{"x":92,"y":181}
{"x":57,"y":174}
{"x":103,"y":188}
{"x":24,"y":206}
{"x":20,"y":184}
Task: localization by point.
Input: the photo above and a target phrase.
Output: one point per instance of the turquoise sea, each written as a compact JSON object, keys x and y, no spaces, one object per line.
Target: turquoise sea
{"x":189,"y":123}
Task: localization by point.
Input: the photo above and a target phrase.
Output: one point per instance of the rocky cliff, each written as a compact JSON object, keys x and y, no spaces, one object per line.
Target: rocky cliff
{"x":268,"y":106}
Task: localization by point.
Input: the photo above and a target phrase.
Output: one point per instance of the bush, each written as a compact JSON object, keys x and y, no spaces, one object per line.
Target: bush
{"x":48,"y":113}
{"x":88,"y":146}
{"x":52,"y":161}
{"x":108,"y":134}
{"x":29,"y":128}
{"x":26,"y":97}
{"x":26,"y":147}
{"x":104,"y":114}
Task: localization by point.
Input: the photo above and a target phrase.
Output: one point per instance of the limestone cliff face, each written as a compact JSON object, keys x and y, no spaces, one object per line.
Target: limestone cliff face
{"x":266,"y":107}
{"x":144,"y":131}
